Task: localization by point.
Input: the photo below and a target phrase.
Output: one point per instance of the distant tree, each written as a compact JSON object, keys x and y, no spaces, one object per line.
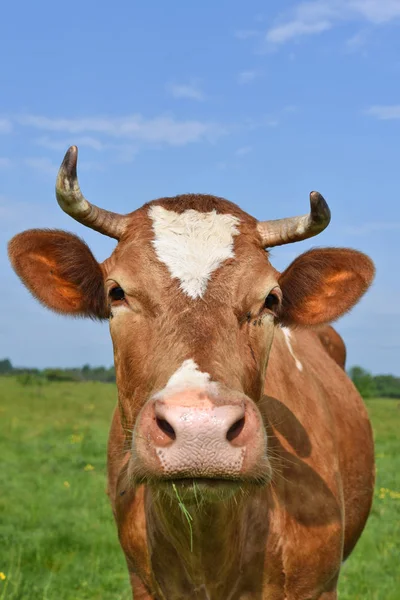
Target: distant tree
{"x":60,"y":375}
{"x":110,"y":375}
{"x":363,"y":381}
{"x":86,"y":370}
{"x":387,"y":386}
{"x":27,"y":379}
{"x":5,"y":366}
{"x":369,"y":386}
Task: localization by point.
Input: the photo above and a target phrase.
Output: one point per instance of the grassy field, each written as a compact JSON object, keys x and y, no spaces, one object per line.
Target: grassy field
{"x":57,"y":536}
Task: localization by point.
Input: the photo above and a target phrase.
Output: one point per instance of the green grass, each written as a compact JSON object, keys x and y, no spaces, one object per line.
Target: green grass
{"x":57,"y":536}
{"x":373,"y":570}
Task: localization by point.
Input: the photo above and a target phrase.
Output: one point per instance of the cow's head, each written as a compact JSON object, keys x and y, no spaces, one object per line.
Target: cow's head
{"x":193,"y":302}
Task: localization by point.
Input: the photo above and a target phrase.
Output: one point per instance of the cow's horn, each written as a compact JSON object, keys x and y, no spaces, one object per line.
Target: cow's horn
{"x":72,"y":201}
{"x":295,"y":229}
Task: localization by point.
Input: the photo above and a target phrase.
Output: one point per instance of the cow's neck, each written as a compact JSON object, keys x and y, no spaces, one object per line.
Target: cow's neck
{"x":211,"y":551}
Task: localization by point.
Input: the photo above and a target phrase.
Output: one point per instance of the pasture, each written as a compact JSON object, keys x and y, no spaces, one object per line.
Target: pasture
{"x":57,"y":536}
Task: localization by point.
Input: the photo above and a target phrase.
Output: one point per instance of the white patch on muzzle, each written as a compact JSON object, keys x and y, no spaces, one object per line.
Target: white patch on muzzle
{"x":188,"y":376}
{"x":287,"y":333}
{"x":193,"y":244}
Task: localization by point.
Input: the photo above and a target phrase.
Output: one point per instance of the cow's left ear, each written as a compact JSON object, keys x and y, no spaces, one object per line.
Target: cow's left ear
{"x":322,"y":284}
{"x":60,"y":271}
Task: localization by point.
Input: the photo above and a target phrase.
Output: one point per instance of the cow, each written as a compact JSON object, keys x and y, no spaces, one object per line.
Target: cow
{"x":240,"y":455}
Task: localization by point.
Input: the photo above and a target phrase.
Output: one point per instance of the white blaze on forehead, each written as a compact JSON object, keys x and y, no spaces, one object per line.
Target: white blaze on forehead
{"x":193,"y":244}
{"x":287,"y":333}
{"x":189,"y":376}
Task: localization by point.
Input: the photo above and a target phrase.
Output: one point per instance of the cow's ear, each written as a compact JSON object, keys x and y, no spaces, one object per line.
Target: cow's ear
{"x":60,"y":271}
{"x":323,"y":284}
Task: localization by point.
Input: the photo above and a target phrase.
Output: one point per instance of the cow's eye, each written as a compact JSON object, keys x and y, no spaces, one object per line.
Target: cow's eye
{"x":117,"y":294}
{"x":273,"y":301}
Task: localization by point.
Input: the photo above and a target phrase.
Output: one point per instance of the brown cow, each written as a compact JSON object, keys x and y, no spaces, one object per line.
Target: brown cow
{"x":229,"y":479}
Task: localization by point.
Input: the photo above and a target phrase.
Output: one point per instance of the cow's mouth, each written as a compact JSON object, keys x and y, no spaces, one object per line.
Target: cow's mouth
{"x":199,"y":490}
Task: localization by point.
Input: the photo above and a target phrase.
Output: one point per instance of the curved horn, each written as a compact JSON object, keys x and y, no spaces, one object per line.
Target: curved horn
{"x":72,"y":201}
{"x":295,"y":229}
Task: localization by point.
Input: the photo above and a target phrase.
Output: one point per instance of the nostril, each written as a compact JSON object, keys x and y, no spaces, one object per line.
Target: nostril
{"x":166,"y":428}
{"x":235,"y":430}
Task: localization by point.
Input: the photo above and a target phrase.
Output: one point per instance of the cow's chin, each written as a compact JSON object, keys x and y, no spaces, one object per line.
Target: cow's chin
{"x":198,"y":491}
{"x":200,"y":488}
{"x":203,"y":490}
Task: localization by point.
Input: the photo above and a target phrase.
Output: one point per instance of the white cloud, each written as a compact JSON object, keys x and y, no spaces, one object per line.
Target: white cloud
{"x":159,"y":130}
{"x":118,"y":152}
{"x":84,"y":141}
{"x":384,"y":113}
{"x":357,"y":41}
{"x":283,"y":33}
{"x":5,"y":163}
{"x":190,"y":90}
{"x":243,"y":151}
{"x":5,"y":125}
{"x":246,"y":77}
{"x":316,"y":16}
{"x":377,"y":11}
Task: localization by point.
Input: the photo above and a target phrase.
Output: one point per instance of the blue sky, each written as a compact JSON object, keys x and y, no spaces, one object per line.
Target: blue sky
{"x":259,"y":104}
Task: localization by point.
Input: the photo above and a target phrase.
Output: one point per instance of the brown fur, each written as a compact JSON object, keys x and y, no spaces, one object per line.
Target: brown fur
{"x":280,"y":541}
{"x":333,"y":344}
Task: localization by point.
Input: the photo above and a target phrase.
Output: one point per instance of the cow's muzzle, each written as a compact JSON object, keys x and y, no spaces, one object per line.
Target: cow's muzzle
{"x":195,"y":435}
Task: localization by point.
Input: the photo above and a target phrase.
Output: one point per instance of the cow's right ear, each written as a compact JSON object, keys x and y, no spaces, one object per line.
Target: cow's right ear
{"x":60,"y":271}
{"x":322,"y":284}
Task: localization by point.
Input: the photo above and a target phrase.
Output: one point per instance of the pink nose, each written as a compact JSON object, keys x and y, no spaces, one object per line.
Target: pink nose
{"x":188,"y":435}
{"x":222,"y":424}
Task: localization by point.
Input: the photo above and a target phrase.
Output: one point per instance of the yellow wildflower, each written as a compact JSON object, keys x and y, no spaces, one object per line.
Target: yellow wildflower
{"x":67,"y":484}
{"x":383,"y":492}
{"x":2,"y":576}
{"x":88,"y":468}
{"x":75,"y":438}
